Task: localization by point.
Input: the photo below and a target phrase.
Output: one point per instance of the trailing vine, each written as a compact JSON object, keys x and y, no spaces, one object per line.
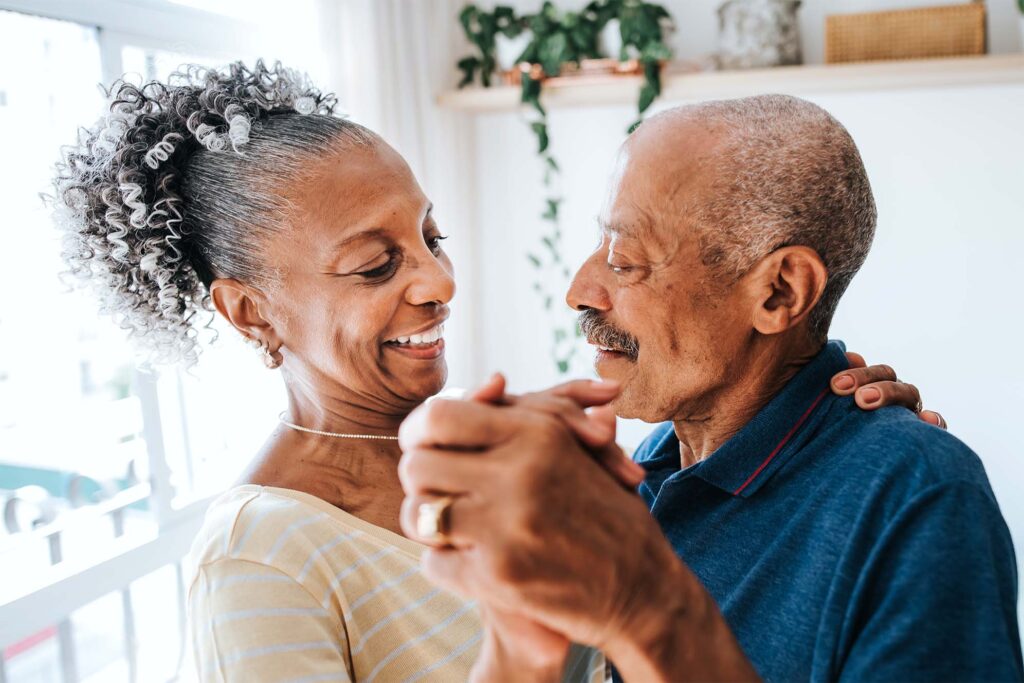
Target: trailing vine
{"x":559,"y":39}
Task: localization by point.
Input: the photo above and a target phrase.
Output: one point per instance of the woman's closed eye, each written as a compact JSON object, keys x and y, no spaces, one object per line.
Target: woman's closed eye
{"x":381,"y":271}
{"x":387,"y":263}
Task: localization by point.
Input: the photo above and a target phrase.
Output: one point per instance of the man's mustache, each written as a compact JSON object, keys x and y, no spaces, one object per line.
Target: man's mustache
{"x":600,"y":332}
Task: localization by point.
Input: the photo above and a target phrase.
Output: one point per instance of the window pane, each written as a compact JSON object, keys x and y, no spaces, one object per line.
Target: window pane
{"x":71,"y":400}
{"x":227,"y":406}
{"x":246,"y":9}
{"x":100,"y":634}
{"x":66,"y":406}
{"x":158,"y":64}
{"x":70,"y":426}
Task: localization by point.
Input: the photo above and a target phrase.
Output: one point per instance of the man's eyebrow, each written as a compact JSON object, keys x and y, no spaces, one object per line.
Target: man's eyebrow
{"x":634,"y":230}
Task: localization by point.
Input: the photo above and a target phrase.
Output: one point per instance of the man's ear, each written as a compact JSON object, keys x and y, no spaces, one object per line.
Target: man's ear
{"x":785,"y":286}
{"x":239,"y":304}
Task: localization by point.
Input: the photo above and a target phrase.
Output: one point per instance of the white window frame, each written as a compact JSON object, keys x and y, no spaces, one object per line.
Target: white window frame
{"x":68,"y":586}
{"x":174,"y":27}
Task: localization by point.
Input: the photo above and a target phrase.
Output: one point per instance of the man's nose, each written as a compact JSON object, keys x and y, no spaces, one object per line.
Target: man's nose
{"x":586,"y":290}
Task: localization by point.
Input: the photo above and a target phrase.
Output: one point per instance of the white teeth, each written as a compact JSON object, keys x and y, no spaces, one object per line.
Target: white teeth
{"x":429,"y":337}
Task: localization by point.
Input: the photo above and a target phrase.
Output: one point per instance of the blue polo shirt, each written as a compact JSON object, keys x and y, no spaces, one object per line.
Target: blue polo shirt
{"x":842,"y":544}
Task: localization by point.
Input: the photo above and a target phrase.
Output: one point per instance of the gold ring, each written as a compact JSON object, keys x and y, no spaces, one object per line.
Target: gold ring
{"x":433,"y":520}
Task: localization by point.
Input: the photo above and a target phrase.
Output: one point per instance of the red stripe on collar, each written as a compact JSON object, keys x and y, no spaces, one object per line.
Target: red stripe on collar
{"x":782,"y":443}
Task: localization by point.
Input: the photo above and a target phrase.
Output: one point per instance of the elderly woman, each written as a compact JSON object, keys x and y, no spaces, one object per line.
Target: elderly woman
{"x":239,"y":191}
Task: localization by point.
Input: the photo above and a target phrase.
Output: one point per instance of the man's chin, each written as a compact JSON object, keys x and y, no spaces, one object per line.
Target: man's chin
{"x":613,"y":364}
{"x":630,"y":406}
{"x":626,"y":407}
{"x":621,"y":369}
{"x":634,"y":400}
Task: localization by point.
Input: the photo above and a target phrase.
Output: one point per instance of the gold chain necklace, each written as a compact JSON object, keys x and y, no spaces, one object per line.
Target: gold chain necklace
{"x":336,"y":435}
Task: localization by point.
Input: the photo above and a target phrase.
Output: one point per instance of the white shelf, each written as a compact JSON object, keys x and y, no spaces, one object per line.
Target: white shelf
{"x":795,"y":80}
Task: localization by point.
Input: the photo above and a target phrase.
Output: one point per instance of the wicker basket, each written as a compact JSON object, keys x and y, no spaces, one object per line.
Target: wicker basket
{"x":950,"y":31}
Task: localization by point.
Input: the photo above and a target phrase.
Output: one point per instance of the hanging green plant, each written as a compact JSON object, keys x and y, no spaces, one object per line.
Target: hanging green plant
{"x":559,"y":40}
{"x":642,"y":26}
{"x":482,"y":28}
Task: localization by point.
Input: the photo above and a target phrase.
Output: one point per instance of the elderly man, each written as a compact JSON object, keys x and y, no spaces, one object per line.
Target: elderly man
{"x":779,"y":532}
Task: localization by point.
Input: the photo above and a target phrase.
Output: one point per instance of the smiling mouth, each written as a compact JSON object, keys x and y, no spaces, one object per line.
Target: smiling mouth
{"x":423,"y":346}
{"x":427,"y":338}
{"x":611,"y":352}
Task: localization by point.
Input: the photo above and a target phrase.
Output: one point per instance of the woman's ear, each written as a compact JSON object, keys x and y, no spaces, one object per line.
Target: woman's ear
{"x":786,"y":285}
{"x":239,"y":304}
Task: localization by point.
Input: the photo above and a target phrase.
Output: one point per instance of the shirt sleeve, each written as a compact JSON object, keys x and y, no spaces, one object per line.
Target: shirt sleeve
{"x":938,"y":597}
{"x":252,"y":622}
{"x":584,"y":665}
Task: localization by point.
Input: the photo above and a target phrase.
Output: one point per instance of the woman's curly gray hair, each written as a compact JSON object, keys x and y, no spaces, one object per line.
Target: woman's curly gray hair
{"x":178,"y":184}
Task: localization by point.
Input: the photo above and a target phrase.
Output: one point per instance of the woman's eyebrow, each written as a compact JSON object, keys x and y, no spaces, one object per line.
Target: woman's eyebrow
{"x":362,"y":235}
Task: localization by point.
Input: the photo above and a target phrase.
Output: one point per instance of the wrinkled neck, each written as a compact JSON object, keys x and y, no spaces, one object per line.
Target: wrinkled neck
{"x":766,"y":368}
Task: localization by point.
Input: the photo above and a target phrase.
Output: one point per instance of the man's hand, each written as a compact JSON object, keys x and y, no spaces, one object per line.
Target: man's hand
{"x":877,"y":386}
{"x":582,"y":405}
{"x":539,"y":528}
{"x":522,"y":483}
{"x":516,"y":648}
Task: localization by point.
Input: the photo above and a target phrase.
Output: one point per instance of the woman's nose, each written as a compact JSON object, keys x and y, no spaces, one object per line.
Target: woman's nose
{"x":433,"y":282}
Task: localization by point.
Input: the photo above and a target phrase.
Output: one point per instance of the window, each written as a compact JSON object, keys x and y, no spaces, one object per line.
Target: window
{"x":105,"y":471}
{"x":66,"y":406}
{"x":150,"y":64}
{"x":71,"y":422}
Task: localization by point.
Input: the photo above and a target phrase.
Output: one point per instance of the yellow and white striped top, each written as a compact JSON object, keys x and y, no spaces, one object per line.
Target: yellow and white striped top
{"x":287,"y":587}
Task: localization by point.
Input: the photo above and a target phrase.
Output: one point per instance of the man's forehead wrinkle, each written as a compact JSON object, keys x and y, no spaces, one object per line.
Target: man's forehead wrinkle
{"x":639,"y":225}
{"x":670,"y":165}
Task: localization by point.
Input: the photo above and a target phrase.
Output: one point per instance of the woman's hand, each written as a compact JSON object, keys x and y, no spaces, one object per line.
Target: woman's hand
{"x":518,"y":649}
{"x":877,"y":386}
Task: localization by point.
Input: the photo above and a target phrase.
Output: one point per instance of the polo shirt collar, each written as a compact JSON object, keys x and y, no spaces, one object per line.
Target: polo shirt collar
{"x":745,"y":462}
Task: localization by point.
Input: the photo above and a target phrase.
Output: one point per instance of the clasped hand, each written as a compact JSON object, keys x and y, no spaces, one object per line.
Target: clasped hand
{"x":547,"y":532}
{"x":546,"y":529}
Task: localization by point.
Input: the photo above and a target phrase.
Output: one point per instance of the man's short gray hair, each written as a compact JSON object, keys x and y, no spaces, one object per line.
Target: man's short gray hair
{"x":790,"y":175}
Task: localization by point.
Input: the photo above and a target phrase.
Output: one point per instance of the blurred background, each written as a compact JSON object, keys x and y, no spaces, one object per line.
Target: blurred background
{"x":106,"y":466}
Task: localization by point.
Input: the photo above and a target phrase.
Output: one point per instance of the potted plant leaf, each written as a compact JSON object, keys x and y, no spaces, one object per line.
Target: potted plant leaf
{"x":483,"y":29}
{"x":1020,"y":6}
{"x":556,"y":43}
